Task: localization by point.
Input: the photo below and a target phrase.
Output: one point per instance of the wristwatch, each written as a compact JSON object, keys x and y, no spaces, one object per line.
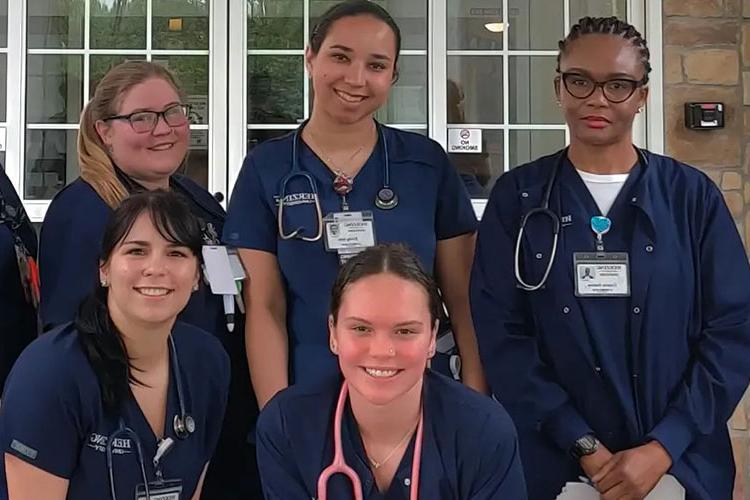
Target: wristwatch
{"x":585,"y":445}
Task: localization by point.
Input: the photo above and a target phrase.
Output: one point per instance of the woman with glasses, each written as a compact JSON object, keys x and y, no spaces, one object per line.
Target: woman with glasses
{"x":610,"y":295}
{"x":134,"y":136}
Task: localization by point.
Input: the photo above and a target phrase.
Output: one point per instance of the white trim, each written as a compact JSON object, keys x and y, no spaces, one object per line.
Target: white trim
{"x":52,"y":126}
{"x":437,"y":71}
{"x":512,"y":126}
{"x":119,"y":52}
{"x":414,"y":52}
{"x":498,"y":53}
{"x":504,"y":90}
{"x":36,"y":209}
{"x":16,"y":97}
{"x":236,"y":90}
{"x":3,"y":50}
{"x":654,"y":110}
{"x":86,"y":47}
{"x":149,"y":27}
{"x":217,"y":98}
{"x":306,"y":104}
{"x":276,"y":52}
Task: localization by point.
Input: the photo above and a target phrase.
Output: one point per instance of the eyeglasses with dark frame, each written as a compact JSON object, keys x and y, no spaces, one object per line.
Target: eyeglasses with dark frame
{"x":143,"y":122}
{"x":616,"y":90}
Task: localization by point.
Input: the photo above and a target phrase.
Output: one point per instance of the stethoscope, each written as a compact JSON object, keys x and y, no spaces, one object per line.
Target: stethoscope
{"x":183,"y":426}
{"x":545,"y":210}
{"x":386,"y":198}
{"x":339,"y":466}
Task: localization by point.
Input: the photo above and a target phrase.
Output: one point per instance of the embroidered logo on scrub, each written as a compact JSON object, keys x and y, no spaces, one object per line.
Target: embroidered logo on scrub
{"x":293,"y":199}
{"x":120,"y":446}
{"x":26,"y":451}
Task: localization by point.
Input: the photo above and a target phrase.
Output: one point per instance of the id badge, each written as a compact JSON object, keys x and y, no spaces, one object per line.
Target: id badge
{"x":170,"y":489}
{"x":349,"y":232}
{"x":218,"y":270}
{"x":602,"y":274}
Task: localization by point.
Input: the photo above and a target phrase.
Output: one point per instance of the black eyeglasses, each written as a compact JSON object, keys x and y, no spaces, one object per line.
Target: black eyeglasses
{"x":616,"y":90}
{"x":144,"y":122}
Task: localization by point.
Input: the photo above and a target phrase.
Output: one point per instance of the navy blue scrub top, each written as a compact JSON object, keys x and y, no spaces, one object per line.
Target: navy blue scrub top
{"x":433,"y":205}
{"x":669,"y":363}
{"x":70,"y":244}
{"x":18,"y":320}
{"x":52,"y":415}
{"x":469,"y":448}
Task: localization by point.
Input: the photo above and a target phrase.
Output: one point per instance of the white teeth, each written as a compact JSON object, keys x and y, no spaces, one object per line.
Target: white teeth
{"x":380,"y":373}
{"x":348,"y":97}
{"x":153,"y":292}
{"x":162,"y":147}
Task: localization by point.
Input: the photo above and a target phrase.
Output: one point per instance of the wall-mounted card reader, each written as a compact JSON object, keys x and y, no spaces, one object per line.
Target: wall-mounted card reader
{"x":704,"y":115}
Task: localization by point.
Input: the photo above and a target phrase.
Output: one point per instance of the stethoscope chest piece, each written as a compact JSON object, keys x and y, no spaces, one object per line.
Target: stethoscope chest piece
{"x":183,"y":425}
{"x":386,"y":199}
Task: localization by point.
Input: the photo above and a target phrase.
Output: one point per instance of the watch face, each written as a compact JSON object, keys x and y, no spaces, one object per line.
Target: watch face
{"x":587,"y":445}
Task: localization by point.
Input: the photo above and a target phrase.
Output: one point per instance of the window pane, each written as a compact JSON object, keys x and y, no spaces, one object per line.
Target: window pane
{"x":475,"y":25}
{"x":598,"y":8}
{"x":527,"y":145}
{"x":3,"y":86}
{"x":479,"y":171}
{"x":53,"y":25}
{"x":54,"y":88}
{"x":532,"y":95}
{"x":51,"y":162}
{"x":192,"y":75}
{"x":408,"y":99}
{"x":477,"y":89}
{"x":99,"y":65}
{"x":275,"y":24}
{"x":3,"y":25}
{"x":535,"y":24}
{"x":410,"y":16}
{"x":255,"y":137}
{"x":180,"y":25}
{"x":275,"y":91}
{"x":196,"y":163}
{"x":118,"y":25}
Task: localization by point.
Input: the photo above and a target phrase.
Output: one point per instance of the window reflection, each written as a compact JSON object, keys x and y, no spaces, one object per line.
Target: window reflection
{"x":51,"y":162}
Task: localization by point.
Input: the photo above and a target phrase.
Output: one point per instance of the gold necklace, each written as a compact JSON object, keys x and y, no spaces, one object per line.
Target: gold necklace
{"x":377,"y":464}
{"x":328,"y":159}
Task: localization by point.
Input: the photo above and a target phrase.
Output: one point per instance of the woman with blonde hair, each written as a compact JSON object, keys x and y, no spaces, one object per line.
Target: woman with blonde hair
{"x":134,"y":136}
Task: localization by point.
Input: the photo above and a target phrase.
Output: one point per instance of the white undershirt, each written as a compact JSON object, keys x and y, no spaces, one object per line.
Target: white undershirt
{"x":603,"y":187}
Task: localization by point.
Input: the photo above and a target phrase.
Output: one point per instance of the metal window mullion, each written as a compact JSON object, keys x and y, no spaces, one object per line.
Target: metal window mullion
{"x":86,"y":48}
{"x":179,"y":52}
{"x":506,"y":97}
{"x":16,"y":95}
{"x":217,"y":98}
{"x":237,"y":90}
{"x":437,"y":71}
{"x":149,"y":27}
{"x":306,"y":108}
{"x":654,"y":111}
{"x":276,"y":52}
{"x":52,"y":126}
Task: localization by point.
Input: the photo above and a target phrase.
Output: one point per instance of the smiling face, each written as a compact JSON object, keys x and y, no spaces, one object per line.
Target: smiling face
{"x":601,"y":57}
{"x":150,"y":279}
{"x":354,"y":69}
{"x":149,"y":157}
{"x":383,"y":337}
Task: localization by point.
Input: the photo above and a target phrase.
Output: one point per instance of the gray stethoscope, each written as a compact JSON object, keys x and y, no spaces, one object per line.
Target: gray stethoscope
{"x":545,"y":210}
{"x":386,"y":199}
{"x":183,"y":426}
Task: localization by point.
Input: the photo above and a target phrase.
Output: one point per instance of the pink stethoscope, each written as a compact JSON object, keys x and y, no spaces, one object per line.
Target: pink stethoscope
{"x":339,"y":466}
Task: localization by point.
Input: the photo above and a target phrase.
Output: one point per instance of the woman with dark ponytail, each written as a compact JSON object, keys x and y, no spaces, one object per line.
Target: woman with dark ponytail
{"x":610,"y":295}
{"x":124,"y":402}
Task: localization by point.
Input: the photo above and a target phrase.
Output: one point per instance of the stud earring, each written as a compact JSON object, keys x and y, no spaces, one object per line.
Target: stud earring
{"x":196,"y":287}
{"x":640,"y":108}
{"x":104,"y":283}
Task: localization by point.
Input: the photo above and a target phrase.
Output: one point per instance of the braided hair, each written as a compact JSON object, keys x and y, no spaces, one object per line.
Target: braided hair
{"x":607,"y":26}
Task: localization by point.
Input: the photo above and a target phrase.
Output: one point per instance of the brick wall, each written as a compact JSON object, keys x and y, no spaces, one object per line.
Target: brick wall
{"x":707,"y":58}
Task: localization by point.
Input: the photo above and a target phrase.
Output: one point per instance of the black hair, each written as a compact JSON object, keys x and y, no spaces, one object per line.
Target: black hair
{"x":99,"y":337}
{"x":393,"y":258}
{"x":351,"y":8}
{"x":608,"y":26}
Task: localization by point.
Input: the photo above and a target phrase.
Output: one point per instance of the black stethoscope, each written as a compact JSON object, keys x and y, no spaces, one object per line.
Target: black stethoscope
{"x":545,"y":210}
{"x":386,"y":198}
{"x":183,"y":426}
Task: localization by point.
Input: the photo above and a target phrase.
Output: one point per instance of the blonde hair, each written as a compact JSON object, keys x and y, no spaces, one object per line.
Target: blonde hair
{"x":97,"y":167}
